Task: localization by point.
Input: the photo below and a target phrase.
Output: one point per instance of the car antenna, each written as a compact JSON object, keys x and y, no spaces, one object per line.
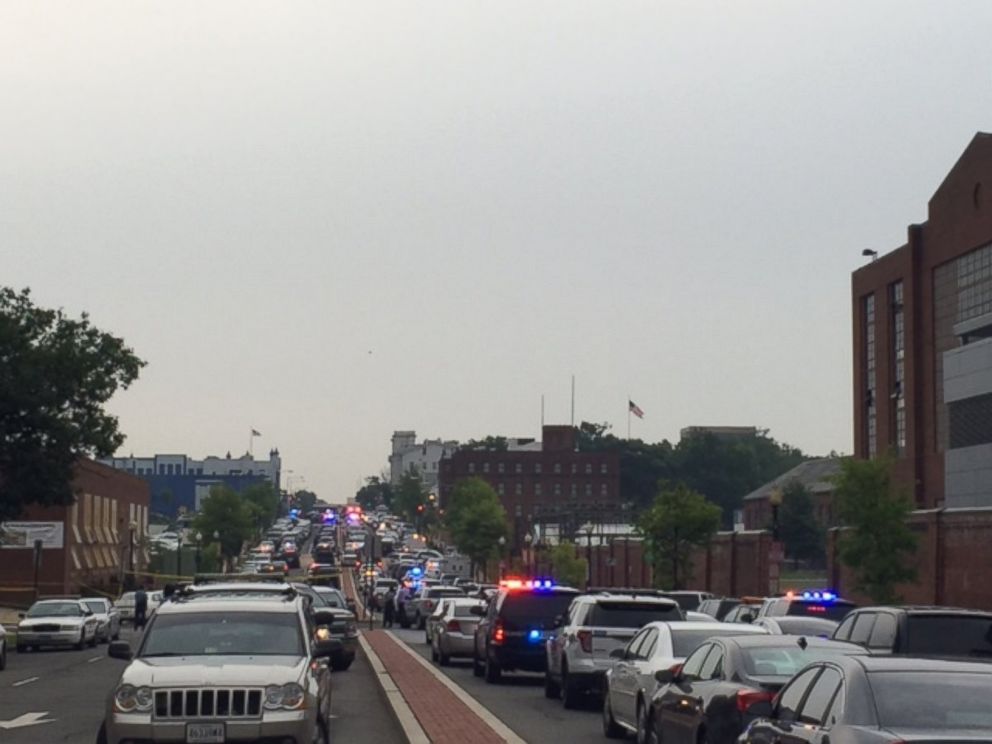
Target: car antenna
{"x":803,"y":643}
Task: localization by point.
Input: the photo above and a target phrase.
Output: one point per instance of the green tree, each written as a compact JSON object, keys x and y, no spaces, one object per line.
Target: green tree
{"x":475,"y":519}
{"x":567,"y":567}
{"x":801,"y":532}
{"x":878,"y":545}
{"x":679,"y":521}
{"x":225,"y":512}
{"x":304,"y":501}
{"x":56,"y":375}
{"x":376,"y":491}
{"x":489,"y":444}
{"x":409,"y":495}
{"x":262,"y":503}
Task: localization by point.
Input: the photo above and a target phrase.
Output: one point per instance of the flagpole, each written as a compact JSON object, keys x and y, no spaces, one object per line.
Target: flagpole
{"x":628,"y":416}
{"x":251,"y":443}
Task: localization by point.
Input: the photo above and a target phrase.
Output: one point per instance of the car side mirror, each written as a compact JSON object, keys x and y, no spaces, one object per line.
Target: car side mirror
{"x":618,"y":653}
{"x":760,"y":709}
{"x":120,"y":650}
{"x":665,"y":676}
{"x":327,"y":648}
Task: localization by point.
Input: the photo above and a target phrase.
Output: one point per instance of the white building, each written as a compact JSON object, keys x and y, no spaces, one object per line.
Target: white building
{"x":210,"y":465}
{"x":409,"y":456}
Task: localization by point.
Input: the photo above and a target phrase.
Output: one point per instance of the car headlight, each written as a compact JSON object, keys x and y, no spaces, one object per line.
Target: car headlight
{"x":289,"y":697}
{"x":129,"y":698}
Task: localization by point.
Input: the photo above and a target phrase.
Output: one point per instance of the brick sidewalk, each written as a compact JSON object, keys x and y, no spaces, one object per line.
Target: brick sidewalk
{"x":444,"y":718}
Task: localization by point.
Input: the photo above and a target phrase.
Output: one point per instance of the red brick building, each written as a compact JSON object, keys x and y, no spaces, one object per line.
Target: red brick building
{"x":87,"y":546}
{"x":923,"y":344}
{"x":529,"y":481}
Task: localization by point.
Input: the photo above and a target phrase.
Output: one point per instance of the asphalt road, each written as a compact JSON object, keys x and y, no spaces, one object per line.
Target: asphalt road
{"x":519,"y":701}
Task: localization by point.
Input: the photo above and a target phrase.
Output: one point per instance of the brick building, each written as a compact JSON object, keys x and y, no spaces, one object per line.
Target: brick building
{"x":533,"y":481}
{"x":923,"y":344}
{"x":814,"y":475}
{"x":86,"y":546}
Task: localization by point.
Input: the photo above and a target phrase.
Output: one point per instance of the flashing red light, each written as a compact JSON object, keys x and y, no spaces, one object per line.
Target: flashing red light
{"x":585,"y":640}
{"x":816,"y":609}
{"x":454,"y":626}
{"x":499,"y":634}
{"x":747,"y":698}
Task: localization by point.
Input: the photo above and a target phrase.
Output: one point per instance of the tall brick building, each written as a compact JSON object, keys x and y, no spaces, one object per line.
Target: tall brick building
{"x":530,"y":481}
{"x":923,"y":344}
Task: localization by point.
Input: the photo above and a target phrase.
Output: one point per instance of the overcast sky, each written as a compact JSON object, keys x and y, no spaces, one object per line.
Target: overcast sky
{"x":328,"y":221}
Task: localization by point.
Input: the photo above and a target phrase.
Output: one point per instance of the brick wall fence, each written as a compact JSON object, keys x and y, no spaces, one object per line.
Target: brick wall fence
{"x":953,"y":555}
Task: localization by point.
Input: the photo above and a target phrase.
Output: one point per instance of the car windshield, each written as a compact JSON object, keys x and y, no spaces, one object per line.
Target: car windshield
{"x":630,"y":614}
{"x":932,"y":700}
{"x":332,"y":599}
{"x":224,"y":634}
{"x":55,"y":609}
{"x":785,"y":660}
{"x":95,"y":605}
{"x":523,"y":609}
{"x":949,"y":635}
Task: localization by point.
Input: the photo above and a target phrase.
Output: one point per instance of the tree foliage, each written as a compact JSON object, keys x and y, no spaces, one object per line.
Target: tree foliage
{"x":723,"y":470}
{"x":410,"y":494}
{"x":56,"y":375}
{"x":489,"y":444}
{"x":229,"y":515}
{"x":475,"y":519}
{"x":679,"y":521}
{"x":262,"y":502}
{"x":801,"y":532}
{"x":567,"y":567}
{"x":376,"y":491}
{"x":304,"y":501}
{"x":878,"y":545}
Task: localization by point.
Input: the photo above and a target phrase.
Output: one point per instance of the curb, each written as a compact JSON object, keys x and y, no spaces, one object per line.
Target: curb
{"x":500,"y":728}
{"x":412,"y":729}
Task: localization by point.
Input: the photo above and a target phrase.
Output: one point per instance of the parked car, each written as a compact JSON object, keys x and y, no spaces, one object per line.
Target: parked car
{"x":710,"y":697}
{"x":745,"y":612}
{"x":454,"y":635}
{"x":867,"y":699}
{"x":817,"y":627}
{"x":108,"y":618}
{"x":424,"y":602}
{"x":658,"y":646}
{"x":919,"y":631}
{"x":688,"y":600}
{"x":57,"y":622}
{"x":515,"y":625}
{"x":578,"y":652}
{"x":718,"y":607}
{"x":810,"y":604}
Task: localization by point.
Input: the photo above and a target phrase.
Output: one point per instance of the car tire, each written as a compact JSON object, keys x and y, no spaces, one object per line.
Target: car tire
{"x":552,"y":691}
{"x":3,"y":656}
{"x":645,"y":733}
{"x":341,"y":665}
{"x":81,"y":643}
{"x":93,"y":640}
{"x":420,"y":622}
{"x":321,"y":734}
{"x":443,"y":659}
{"x":478,"y":668}
{"x":570,"y":693}
{"x":493,"y":672}
{"x":433,"y":653}
{"x":611,"y":729}
{"x":101,"y":735}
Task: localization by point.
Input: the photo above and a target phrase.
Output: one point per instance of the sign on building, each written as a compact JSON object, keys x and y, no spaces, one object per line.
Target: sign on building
{"x":23,"y":534}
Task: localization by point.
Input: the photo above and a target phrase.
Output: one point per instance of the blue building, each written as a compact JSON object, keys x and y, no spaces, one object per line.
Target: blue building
{"x":179,"y":483}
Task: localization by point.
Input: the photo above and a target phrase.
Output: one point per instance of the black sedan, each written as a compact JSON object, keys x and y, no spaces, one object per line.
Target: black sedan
{"x":866,"y":699}
{"x":710,"y":699}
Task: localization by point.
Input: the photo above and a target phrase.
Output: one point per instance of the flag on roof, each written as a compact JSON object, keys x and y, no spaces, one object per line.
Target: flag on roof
{"x":635,"y":409}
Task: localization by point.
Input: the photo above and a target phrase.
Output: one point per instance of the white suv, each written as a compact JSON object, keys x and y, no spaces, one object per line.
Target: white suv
{"x":578,"y":652}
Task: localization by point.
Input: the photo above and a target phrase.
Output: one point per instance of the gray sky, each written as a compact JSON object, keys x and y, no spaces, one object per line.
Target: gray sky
{"x":665,"y":199}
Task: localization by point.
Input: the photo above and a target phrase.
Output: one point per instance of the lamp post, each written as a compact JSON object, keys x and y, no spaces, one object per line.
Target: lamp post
{"x":199,"y":539}
{"x":179,"y":553}
{"x":775,"y":501}
{"x":529,"y":541}
{"x":219,"y":551}
{"x":131,"y":528}
{"x":502,"y":559}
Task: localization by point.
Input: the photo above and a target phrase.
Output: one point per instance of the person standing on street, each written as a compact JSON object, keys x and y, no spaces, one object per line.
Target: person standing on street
{"x":387,"y":608}
{"x":140,"y":608}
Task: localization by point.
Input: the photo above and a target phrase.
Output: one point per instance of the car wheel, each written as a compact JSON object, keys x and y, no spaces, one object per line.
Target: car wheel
{"x":477,"y":666}
{"x":93,"y":640}
{"x":551,"y":688}
{"x":611,"y":729}
{"x":82,"y":641}
{"x":442,"y":658}
{"x":493,"y":672}
{"x":645,"y":732}
{"x":420,"y":622}
{"x":101,"y":735}
{"x":3,"y":656}
{"x":569,"y":690}
{"x":341,"y":665}
{"x":320,"y":733}
{"x":433,"y":653}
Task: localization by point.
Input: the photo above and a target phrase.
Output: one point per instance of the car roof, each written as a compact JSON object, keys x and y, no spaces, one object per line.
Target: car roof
{"x":675,"y":625}
{"x":621,"y":597}
{"x":267,"y":603}
{"x":914,"y":664}
{"x":758,"y":641}
{"x":927,"y":610}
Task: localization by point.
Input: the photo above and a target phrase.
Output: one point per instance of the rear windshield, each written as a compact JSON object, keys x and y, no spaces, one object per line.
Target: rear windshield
{"x":526,"y":608}
{"x":685,"y":640}
{"x":445,"y":592}
{"x":932,"y":700}
{"x":688,"y":602}
{"x":629,"y":614}
{"x":813,"y":626}
{"x":464,"y":611}
{"x":949,"y":635}
{"x":784,"y":661}
{"x":836,"y":610}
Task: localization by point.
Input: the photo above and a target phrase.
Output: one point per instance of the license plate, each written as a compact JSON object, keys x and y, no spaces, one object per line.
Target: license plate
{"x":205,"y":733}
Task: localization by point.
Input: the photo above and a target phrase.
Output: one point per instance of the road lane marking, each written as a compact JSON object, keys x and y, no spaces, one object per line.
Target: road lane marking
{"x":27,"y":719}
{"x":27,"y":681}
{"x":95,"y":658}
{"x":473,"y":705}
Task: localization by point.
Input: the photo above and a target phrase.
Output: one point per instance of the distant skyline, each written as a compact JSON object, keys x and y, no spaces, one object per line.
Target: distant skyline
{"x":330,"y":221}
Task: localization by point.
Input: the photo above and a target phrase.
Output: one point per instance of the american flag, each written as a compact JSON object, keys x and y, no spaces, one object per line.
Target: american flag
{"x":635,"y":409}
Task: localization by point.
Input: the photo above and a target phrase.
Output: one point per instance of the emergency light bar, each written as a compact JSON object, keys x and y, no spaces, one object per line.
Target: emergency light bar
{"x":532,"y":584}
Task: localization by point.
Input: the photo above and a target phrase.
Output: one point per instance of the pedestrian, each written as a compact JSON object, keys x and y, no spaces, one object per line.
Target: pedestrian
{"x":167,"y":591}
{"x":140,"y":608}
{"x":387,"y":608}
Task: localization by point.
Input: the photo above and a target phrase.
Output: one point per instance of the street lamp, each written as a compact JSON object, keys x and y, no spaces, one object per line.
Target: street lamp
{"x":179,"y":553}
{"x":529,"y":540}
{"x":775,"y":500}
{"x":199,"y":539}
{"x":132,"y":528}
{"x":502,"y":559}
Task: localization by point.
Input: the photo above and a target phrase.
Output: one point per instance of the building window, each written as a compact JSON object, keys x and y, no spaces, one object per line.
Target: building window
{"x":603,"y":490}
{"x":501,"y":468}
{"x":871,"y":424}
{"x":518,"y":489}
{"x":574,"y":468}
{"x":588,"y":468}
{"x":557,"y":467}
{"x":501,"y":489}
{"x":603,"y":469}
{"x":518,"y":468}
{"x":573,"y":491}
{"x":471,"y":467}
{"x":898,"y":368}
{"x":557,"y":489}
{"x":971,"y":421}
{"x":485,"y":467}
{"x":588,"y":489}
{"x":161,"y":469}
{"x":537,"y":489}
{"x":537,"y":468}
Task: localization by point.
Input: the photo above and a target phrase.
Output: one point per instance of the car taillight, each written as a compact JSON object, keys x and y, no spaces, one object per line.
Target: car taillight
{"x":499,"y":635}
{"x":454,"y":626}
{"x":747,"y":698}
{"x":585,"y":639}
{"x":428,"y":604}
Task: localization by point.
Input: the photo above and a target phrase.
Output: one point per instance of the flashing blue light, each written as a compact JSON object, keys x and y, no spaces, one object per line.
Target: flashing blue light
{"x":534,"y":635}
{"x":824,"y":596}
{"x":827,"y":596}
{"x":416,"y":571}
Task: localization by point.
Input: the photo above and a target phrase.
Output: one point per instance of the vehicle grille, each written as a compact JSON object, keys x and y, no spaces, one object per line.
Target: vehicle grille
{"x":208,"y":703}
{"x":44,"y":629}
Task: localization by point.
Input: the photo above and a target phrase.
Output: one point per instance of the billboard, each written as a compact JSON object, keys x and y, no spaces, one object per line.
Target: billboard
{"x":23,"y":534}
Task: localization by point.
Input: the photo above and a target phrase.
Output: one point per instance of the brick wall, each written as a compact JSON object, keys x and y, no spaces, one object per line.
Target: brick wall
{"x":954,"y":550}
